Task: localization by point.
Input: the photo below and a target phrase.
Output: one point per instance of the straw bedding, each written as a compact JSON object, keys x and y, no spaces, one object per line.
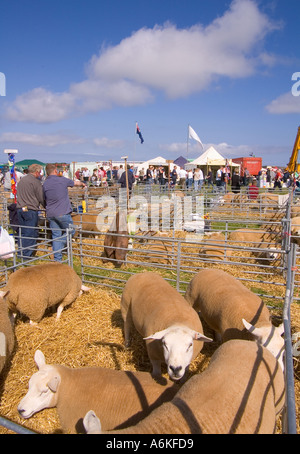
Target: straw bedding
{"x":89,"y":333}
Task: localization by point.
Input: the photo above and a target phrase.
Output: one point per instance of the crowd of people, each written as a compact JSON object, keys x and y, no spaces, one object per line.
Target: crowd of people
{"x":37,"y":191}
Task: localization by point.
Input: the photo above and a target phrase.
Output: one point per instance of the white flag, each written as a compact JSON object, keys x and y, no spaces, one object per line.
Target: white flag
{"x":194,"y":135}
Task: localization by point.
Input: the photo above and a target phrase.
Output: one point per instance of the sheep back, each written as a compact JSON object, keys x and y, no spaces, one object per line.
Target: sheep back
{"x":223,"y":302}
{"x":122,"y":398}
{"x":151,"y":304}
{"x":7,"y":334}
{"x":240,"y":392}
{"x":33,"y":289}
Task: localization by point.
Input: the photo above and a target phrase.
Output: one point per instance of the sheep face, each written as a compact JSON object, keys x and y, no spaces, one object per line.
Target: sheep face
{"x":41,"y":390}
{"x":177,"y":345}
{"x":269,"y":337}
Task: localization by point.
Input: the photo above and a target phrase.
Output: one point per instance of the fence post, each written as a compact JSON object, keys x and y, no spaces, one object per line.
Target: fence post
{"x":178,"y":265}
{"x":289,"y":416}
{"x":69,"y":233}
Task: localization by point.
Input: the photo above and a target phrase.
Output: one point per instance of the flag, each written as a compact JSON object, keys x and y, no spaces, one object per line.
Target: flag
{"x":194,"y":135}
{"x":139,"y":133}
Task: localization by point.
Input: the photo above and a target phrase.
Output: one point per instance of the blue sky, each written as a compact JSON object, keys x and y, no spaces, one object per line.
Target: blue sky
{"x":80,"y":74}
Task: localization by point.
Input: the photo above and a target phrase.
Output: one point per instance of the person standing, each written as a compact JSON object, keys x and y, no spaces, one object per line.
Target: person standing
{"x":182,"y":177}
{"x":30,"y":198}
{"x":198,"y":179}
{"x":236,"y":182}
{"x":58,"y":207}
{"x":127,"y":177}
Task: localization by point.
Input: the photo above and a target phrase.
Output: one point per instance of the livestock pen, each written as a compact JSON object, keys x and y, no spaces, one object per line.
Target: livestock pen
{"x":270,"y":270}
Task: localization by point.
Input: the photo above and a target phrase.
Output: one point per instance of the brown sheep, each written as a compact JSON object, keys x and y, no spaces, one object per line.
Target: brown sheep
{"x":240,"y":392}
{"x":225,"y":303}
{"x":171,"y":328}
{"x":33,"y":289}
{"x":121,"y":397}
{"x":7,"y":336}
{"x":116,"y":241}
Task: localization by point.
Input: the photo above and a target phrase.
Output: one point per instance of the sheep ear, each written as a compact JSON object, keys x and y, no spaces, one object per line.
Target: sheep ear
{"x":92,"y":423}
{"x":257,"y":332}
{"x":201,"y":337}
{"x":39,"y":359}
{"x":4,"y":294}
{"x":157,"y":335}
{"x":280,"y":329}
{"x":53,"y":383}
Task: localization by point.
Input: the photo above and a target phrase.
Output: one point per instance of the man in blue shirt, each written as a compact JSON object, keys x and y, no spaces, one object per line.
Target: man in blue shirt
{"x":58,"y":207}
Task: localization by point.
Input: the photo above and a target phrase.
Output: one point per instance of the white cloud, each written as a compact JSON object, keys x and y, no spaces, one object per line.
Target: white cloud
{"x":285,"y":104}
{"x":104,"y":142}
{"x":176,"y":62}
{"x":45,"y":140}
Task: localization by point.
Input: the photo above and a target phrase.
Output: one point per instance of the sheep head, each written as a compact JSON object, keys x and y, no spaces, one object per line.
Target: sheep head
{"x":270,"y":337}
{"x":177,"y":343}
{"x":42,"y":388}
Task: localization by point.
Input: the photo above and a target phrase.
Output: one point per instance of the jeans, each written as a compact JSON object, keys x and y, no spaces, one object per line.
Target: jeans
{"x":28,"y":221}
{"x":58,"y":226}
{"x":198,"y":185}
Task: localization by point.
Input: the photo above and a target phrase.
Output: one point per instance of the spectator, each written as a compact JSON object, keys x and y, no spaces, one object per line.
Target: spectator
{"x":198,"y":179}
{"x":182,"y":177}
{"x":127,"y":177}
{"x":58,"y":207}
{"x":29,"y":200}
{"x":236,"y":181}
{"x":253,"y":189}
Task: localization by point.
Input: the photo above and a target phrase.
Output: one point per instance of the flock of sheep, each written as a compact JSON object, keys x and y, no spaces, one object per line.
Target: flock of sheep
{"x":241,"y":391}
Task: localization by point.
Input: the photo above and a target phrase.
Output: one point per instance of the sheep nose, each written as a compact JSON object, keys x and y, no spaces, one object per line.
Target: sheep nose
{"x":176,"y":370}
{"x":21,"y":411}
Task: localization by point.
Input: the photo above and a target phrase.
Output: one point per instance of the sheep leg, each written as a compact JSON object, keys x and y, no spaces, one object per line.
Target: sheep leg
{"x":156,"y":368}
{"x":59,"y":311}
{"x":127,"y":328}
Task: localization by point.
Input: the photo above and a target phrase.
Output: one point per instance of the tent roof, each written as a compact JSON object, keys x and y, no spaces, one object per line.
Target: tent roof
{"x":209,"y":156}
{"x":180,"y":161}
{"x":28,"y":162}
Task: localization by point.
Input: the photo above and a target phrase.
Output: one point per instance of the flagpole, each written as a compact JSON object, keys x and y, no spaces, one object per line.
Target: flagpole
{"x":187,"y":143}
{"x":134,"y":144}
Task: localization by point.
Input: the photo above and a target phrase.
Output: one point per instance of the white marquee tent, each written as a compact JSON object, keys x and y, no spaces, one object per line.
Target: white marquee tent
{"x":211,"y":157}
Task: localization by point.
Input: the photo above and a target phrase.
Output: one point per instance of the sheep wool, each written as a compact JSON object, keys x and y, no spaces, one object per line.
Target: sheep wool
{"x":153,"y":307}
{"x":7,"y":336}
{"x":33,"y":289}
{"x":240,"y":392}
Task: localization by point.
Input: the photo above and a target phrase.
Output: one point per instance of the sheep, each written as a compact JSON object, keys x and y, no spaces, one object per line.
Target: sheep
{"x":122,"y":398}
{"x":214,"y":246}
{"x":87,"y":223}
{"x":116,"y":241}
{"x":295,"y":230}
{"x":171,"y":328}
{"x":240,"y":392}
{"x":266,"y":244}
{"x":33,"y":289}
{"x":7,"y":335}
{"x":233,"y":311}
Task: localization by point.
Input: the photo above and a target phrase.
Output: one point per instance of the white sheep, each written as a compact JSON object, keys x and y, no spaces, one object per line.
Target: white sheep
{"x":7,"y":335}
{"x":33,"y":289}
{"x":172,"y":329}
{"x":122,"y":398}
{"x":240,"y":392}
{"x":233,"y":311}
